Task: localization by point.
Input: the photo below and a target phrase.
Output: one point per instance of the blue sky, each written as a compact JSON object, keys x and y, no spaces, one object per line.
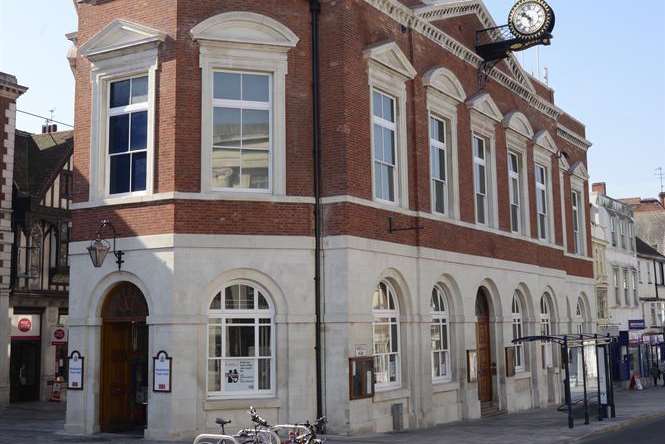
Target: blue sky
{"x":606,"y":64}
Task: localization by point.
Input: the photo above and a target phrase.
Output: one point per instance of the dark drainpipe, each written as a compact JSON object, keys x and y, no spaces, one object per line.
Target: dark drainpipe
{"x":315,"y":10}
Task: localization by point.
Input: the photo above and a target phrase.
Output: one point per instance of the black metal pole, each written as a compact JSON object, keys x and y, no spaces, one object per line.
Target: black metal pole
{"x":315,"y":9}
{"x":610,"y":380}
{"x":600,"y":405}
{"x":586,"y":401}
{"x":569,"y":403}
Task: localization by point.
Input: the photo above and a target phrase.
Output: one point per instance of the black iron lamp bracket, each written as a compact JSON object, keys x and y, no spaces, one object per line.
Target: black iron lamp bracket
{"x":117,"y":253}
{"x":393,"y":229}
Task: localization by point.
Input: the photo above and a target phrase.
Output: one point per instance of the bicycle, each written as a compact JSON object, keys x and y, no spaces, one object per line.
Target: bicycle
{"x":244,"y":436}
{"x":308,"y":435}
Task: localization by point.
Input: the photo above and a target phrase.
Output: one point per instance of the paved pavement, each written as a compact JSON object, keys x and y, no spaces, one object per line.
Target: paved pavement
{"x":636,"y":411}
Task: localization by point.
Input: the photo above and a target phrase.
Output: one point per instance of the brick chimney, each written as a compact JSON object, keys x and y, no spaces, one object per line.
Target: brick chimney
{"x":600,"y":187}
{"x":10,"y":90}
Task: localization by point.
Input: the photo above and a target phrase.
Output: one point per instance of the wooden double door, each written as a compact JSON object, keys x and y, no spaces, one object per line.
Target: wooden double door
{"x":484,"y":359}
{"x":124,"y":365}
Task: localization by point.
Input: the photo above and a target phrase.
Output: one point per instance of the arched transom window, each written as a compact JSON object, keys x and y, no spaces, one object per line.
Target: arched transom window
{"x":440,"y":336}
{"x":241,"y":342}
{"x":386,"y":337}
{"x":517,"y":332}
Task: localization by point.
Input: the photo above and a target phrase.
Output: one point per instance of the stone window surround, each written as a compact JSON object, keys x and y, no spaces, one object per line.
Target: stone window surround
{"x":577,"y":185}
{"x":444,"y":318}
{"x":485,"y":128}
{"x":542,"y":157}
{"x":104,"y":72}
{"x":519,"y":145}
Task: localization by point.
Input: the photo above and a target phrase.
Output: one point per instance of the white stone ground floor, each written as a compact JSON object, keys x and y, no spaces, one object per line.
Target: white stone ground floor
{"x":180,"y":277}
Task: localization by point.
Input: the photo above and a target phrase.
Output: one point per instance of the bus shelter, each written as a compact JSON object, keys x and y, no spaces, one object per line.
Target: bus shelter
{"x":586,"y":361}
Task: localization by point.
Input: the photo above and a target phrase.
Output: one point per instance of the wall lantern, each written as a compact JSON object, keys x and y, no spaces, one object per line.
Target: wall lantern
{"x":100,"y":247}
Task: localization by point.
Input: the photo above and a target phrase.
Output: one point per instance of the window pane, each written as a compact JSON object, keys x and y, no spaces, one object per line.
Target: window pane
{"x":516,"y":192}
{"x":388,"y":113}
{"x":438,"y":130}
{"x":264,"y":341}
{"x":444,"y":336}
{"x":226,"y":127}
{"x":263,"y":303}
{"x":264,"y":374}
{"x":139,"y":171}
{"x":215,"y":341}
{"x":119,"y":174}
{"x":118,"y":133}
{"x":480,"y":148}
{"x":255,"y":88}
{"x":239,"y":341}
{"x":514,"y":217}
{"x":436,"y":173}
{"x":120,"y":93}
{"x":481,"y":180}
{"x":435,"y":331}
{"x":442,"y":164}
{"x":389,"y":146}
{"x":254,"y":170}
{"x":436,"y":369}
{"x":480,"y":208}
{"x":214,"y":375}
{"x":378,"y":180}
{"x":444,"y":364}
{"x":216,"y":303}
{"x":393,"y":368}
{"x":225,"y":168}
{"x":227,"y":86}
{"x":381,"y":339}
{"x":439,"y":197}
{"x":140,"y":89}
{"x":394,"y":340}
{"x":378,"y":142}
{"x":376,"y":104}
{"x":239,"y":297}
{"x":255,"y":128}
{"x":139,"y":137}
{"x":513,"y":163}
{"x":389,"y":179}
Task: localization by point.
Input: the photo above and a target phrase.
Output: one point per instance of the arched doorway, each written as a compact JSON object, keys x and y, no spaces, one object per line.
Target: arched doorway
{"x":124,"y":363}
{"x":483,"y":342}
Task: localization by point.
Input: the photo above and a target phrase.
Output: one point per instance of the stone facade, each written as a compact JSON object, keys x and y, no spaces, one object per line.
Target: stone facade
{"x":185,"y":240}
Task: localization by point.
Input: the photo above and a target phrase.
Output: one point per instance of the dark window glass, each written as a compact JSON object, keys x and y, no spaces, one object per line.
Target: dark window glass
{"x":140,"y":89}
{"x":255,"y":88}
{"x":120,"y":93}
{"x":118,"y":133}
{"x":138,"y":171}
{"x":227,"y":86}
{"x":139,"y":139}
{"x":120,"y":174}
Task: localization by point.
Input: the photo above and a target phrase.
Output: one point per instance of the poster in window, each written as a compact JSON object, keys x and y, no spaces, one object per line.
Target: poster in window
{"x":162,"y":366}
{"x":361,"y":377}
{"x":472,"y":365}
{"x":239,"y":375}
{"x":75,"y":380}
{"x":602,"y":375}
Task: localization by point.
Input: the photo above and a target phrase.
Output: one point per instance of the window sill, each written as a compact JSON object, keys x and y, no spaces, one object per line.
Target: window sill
{"x":391,"y":394}
{"x":444,"y":386}
{"x":242,"y":403}
{"x":522,"y":374}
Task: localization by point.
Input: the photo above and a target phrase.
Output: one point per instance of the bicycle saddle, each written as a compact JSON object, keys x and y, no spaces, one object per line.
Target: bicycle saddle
{"x":222,"y":421}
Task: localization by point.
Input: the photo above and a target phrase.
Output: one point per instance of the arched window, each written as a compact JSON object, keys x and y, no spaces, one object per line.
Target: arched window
{"x":579,"y":316}
{"x":517,"y":332}
{"x":386,"y":337}
{"x":440,"y":336}
{"x":546,"y":329}
{"x":241,"y":342}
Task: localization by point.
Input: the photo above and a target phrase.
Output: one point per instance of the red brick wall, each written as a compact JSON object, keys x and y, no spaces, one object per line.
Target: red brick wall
{"x":348,"y":27}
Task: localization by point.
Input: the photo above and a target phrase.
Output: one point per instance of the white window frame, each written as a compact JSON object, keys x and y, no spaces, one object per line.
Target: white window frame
{"x":626,"y":295}
{"x":577,"y":238}
{"x":617,"y":293}
{"x":378,"y":316}
{"x":444,"y":107}
{"x":441,"y":319}
{"x":517,"y":332}
{"x":126,"y":110}
{"x":545,"y":210}
{"x":248,"y":105}
{"x":516,"y":195}
{"x":635,"y":289}
{"x":390,"y":126}
{"x":546,"y":328}
{"x":436,"y":148}
{"x":484,"y":119}
{"x":517,"y":145}
{"x":485,"y":164}
{"x":223,"y":314}
{"x":104,"y":72}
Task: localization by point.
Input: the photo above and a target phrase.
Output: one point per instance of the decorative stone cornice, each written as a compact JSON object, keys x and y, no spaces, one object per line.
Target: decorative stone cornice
{"x":572,"y":137}
{"x":411,"y":19}
{"x":9,"y":87}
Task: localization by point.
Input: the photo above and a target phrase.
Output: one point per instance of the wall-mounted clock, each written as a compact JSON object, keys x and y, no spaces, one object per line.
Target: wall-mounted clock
{"x":531,"y":19}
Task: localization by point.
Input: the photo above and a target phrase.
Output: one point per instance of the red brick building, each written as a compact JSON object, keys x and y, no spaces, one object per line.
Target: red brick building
{"x":452,"y":217}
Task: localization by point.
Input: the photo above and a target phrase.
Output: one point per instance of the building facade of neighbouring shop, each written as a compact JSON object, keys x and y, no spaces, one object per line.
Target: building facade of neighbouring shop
{"x":35,"y":253}
{"x":430,"y":269}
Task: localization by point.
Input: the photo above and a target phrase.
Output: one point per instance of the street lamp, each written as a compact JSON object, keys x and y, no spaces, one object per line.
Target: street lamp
{"x":100,"y":247}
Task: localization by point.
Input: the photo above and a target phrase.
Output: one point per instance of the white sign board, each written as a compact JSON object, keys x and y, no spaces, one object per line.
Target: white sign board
{"x":161,"y":367}
{"x":239,"y":375}
{"x":26,"y":326}
{"x":602,"y":375}
{"x":75,"y":380}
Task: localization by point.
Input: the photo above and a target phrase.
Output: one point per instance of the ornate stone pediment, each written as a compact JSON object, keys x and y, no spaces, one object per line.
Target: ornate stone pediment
{"x":120,"y":35}
{"x":580,"y":171}
{"x":545,"y":140}
{"x":484,"y":104}
{"x":519,"y":123}
{"x":391,"y":56}
{"x":245,"y":27}
{"x":446,"y":82}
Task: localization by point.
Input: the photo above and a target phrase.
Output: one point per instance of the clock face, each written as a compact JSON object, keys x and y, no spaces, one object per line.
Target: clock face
{"x":530,"y":18}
